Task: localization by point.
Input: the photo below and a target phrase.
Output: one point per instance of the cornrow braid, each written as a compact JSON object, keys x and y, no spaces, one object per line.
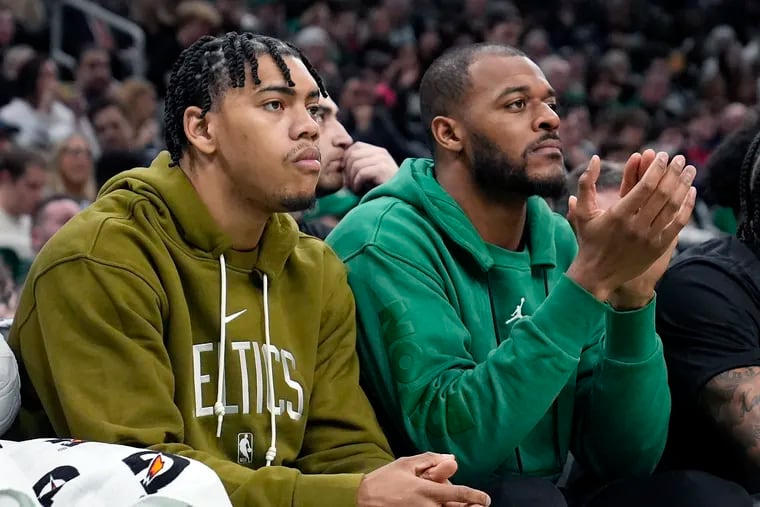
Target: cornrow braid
{"x":207,"y":69}
{"x":274,"y":52}
{"x":749,"y":194}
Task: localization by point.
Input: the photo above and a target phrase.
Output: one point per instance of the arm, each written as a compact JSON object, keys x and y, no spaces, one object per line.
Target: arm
{"x":342,"y":434}
{"x":732,"y":400}
{"x":93,"y":349}
{"x":707,"y":320}
{"x":417,"y":359}
{"x":622,"y":398}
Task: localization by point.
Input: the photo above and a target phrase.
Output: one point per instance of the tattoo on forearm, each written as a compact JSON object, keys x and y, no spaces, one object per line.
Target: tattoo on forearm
{"x":732,"y":399}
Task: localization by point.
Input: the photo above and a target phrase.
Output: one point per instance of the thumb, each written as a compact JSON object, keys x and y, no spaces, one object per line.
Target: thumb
{"x":441,"y":472}
{"x":422,"y":462}
{"x":572,"y":202}
{"x":586,"y":201}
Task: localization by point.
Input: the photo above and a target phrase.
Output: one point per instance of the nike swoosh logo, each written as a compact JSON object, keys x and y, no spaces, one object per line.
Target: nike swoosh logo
{"x":230,"y":318}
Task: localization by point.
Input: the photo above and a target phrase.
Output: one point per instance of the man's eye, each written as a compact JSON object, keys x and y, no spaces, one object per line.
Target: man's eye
{"x":273,"y":106}
{"x":517,"y":104}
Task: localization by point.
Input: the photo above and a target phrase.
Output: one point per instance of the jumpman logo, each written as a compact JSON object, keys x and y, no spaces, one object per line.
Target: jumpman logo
{"x":517,"y":314}
{"x":245,"y":449}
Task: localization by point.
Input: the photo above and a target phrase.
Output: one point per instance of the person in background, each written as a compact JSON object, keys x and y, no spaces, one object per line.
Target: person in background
{"x":23,"y":177}
{"x":72,"y":170}
{"x":50,"y":215}
{"x":42,"y":118}
{"x":259,"y":379}
{"x":347,"y":167}
{"x":139,"y":99}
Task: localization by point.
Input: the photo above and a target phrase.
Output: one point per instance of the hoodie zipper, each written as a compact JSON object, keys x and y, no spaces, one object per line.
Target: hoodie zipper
{"x":518,"y":458}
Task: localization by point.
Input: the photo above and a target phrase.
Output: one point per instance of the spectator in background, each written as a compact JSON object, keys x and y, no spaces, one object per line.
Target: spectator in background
{"x":42,"y":118}
{"x":49,"y":216}
{"x":348,"y":168}
{"x":139,"y":99}
{"x":94,"y":80}
{"x":194,"y":19}
{"x":316,"y":44}
{"x":607,"y":185}
{"x":23,"y":177}
{"x":113,"y":129}
{"x":7,"y":134}
{"x":72,"y":170}
{"x":12,"y":60}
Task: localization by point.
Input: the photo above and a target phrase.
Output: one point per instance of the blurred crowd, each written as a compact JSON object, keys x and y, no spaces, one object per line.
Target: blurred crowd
{"x":677,"y":76}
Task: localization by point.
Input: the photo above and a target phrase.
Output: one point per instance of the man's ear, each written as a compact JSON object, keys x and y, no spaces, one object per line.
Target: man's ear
{"x":199,"y":130}
{"x":447,"y":133}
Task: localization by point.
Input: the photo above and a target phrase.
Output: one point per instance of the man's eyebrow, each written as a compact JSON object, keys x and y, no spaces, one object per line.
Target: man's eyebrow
{"x":550,"y":93}
{"x":284,"y":89}
{"x":287,"y":90}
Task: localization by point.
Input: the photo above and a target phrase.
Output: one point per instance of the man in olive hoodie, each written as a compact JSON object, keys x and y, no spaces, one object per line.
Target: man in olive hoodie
{"x":184,"y":312}
{"x":485,"y":330}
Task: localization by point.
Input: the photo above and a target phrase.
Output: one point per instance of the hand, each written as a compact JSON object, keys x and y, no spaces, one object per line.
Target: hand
{"x":366,"y":166}
{"x":620,"y":244}
{"x":638,"y":292}
{"x":403,"y":483}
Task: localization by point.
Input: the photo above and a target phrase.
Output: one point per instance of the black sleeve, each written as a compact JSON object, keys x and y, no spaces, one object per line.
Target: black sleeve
{"x":707,"y":317}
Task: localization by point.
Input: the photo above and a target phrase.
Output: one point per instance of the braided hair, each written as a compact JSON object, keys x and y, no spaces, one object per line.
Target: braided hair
{"x":207,"y":69}
{"x":749,"y":194}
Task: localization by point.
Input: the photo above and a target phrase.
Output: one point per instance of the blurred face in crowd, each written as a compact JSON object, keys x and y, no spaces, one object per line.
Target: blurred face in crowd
{"x":7,"y":26}
{"x":47,"y":79}
{"x":145,"y":106}
{"x":510,"y":128}
{"x":51,"y":218}
{"x":333,"y":143}
{"x":94,"y":72}
{"x":113,"y":129}
{"x":75,"y":162}
{"x":24,"y":193}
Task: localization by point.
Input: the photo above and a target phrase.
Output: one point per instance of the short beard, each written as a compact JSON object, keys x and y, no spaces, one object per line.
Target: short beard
{"x":297,"y":203}
{"x":501,"y":179}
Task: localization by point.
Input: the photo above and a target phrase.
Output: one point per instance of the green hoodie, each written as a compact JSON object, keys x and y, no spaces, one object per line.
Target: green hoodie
{"x":494,"y":355}
{"x":118,"y":332}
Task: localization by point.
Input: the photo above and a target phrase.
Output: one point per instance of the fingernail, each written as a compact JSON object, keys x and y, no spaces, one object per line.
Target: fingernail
{"x":662,"y":157}
{"x":689,"y":173}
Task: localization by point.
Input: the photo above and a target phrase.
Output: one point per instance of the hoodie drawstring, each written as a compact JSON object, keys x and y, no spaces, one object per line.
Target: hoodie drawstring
{"x":219,"y":405}
{"x":272,"y":451}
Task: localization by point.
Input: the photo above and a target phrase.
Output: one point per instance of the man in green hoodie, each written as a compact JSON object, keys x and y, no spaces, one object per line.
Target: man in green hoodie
{"x":184,"y":312}
{"x":485,"y":329}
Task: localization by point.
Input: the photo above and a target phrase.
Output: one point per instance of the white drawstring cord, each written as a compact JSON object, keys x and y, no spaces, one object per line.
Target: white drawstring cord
{"x":272,"y":451}
{"x":219,"y":406}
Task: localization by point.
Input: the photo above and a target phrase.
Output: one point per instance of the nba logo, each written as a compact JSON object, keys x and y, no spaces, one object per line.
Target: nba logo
{"x":245,"y":448}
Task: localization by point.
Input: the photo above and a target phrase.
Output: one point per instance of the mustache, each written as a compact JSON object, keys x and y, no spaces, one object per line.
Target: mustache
{"x":548,"y":137}
{"x":295,"y":152}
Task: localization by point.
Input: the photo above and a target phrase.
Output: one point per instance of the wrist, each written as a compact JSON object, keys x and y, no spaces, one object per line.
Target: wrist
{"x":623,"y":299}
{"x":586,"y":279}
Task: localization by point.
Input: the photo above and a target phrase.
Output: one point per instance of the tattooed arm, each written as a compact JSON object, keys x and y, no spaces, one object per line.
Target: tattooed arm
{"x":732,"y":399}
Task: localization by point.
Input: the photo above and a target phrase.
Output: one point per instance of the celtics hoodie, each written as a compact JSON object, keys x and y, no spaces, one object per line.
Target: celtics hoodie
{"x":493,"y":355}
{"x":139,"y":324}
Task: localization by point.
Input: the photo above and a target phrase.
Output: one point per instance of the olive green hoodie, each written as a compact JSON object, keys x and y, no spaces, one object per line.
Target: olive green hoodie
{"x":118,"y":334}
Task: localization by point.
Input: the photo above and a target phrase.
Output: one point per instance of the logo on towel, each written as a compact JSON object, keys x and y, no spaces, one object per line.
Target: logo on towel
{"x":52,"y":482}
{"x":155,"y":470}
{"x":245,"y":448}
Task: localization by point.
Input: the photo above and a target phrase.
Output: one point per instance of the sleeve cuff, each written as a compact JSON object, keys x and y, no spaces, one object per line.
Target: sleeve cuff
{"x":340,"y":490}
{"x":630,"y":336}
{"x":570,"y":315}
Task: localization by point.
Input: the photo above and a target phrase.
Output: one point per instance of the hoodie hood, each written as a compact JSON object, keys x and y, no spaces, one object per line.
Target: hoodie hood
{"x":416,"y":185}
{"x":184,"y":217}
